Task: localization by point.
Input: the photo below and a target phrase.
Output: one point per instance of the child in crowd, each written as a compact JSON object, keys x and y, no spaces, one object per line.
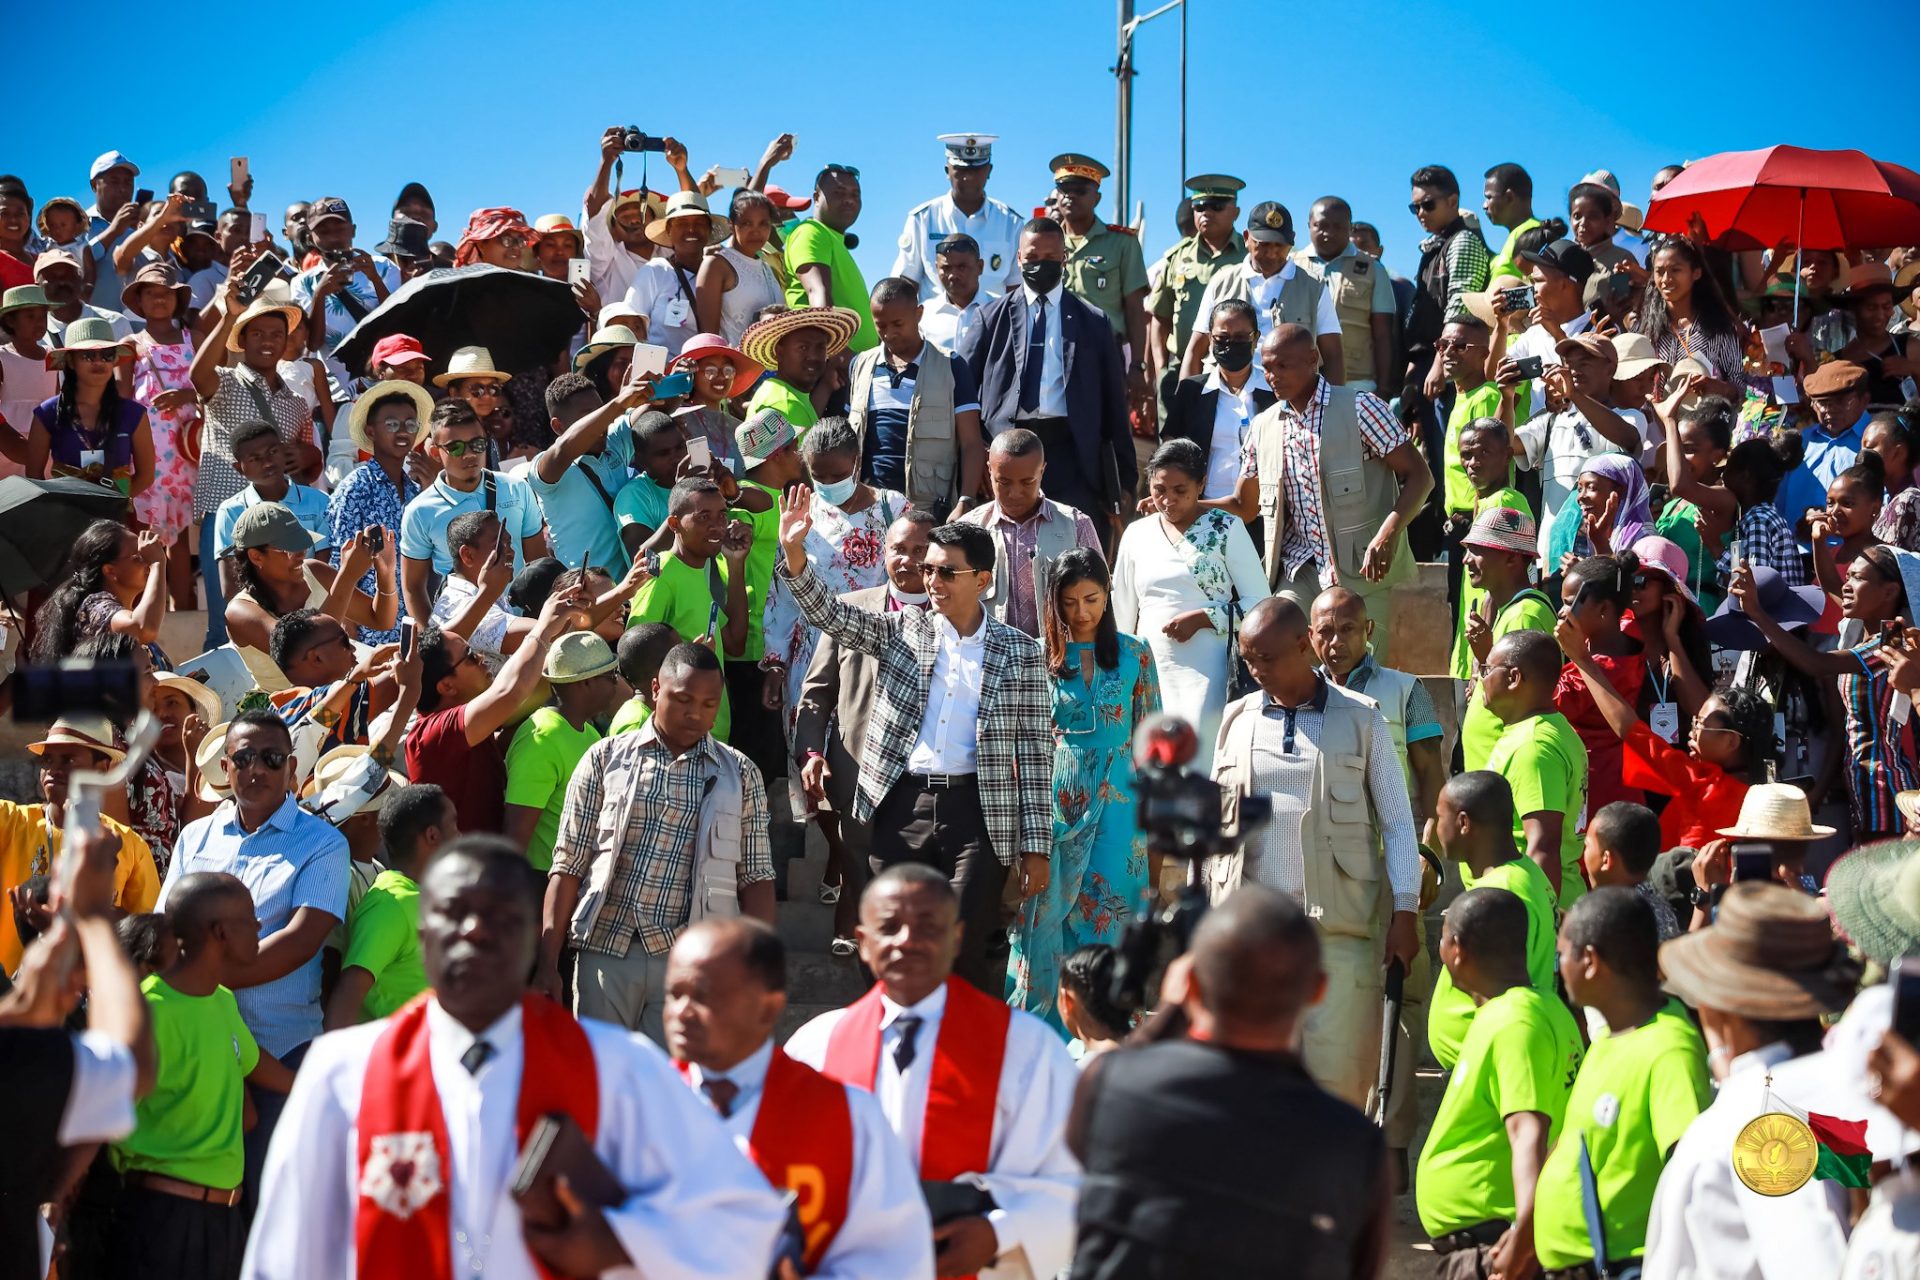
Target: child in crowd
{"x":148,"y":940}
{"x":1087,"y":1007}
{"x":1594,"y":596}
{"x":1846,"y":527}
{"x":261,"y":456}
{"x":1754,"y":471}
{"x":1698,"y":439}
{"x":660,"y":452}
{"x":702,"y":588}
{"x":1622,"y":841}
{"x":640,"y":652}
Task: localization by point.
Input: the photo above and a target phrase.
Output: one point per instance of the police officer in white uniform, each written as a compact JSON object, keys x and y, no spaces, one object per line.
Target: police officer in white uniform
{"x":965,"y":208}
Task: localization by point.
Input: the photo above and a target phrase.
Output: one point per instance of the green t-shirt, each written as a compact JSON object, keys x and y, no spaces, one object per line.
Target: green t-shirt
{"x":540,"y":763}
{"x":1470,"y":595}
{"x":641,"y":501}
{"x":766,"y":549}
{"x":383,"y":937}
{"x":1521,"y":1054}
{"x":1450,"y":1012}
{"x":814,"y":241}
{"x":1636,"y":1094}
{"x":1545,"y":763}
{"x":1481,"y":402}
{"x":188,"y":1127}
{"x":682,"y":598}
{"x":1503,"y":264}
{"x":633,"y":713}
{"x":791,"y":403}
{"x":1480,"y":728}
{"x":1676,"y":525}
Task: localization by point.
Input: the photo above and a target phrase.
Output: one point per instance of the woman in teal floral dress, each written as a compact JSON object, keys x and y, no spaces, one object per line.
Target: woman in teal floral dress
{"x":1104,"y":685}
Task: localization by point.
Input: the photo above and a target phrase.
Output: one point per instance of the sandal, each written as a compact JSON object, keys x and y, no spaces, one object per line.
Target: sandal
{"x":845,"y":947}
{"x":829,"y":894}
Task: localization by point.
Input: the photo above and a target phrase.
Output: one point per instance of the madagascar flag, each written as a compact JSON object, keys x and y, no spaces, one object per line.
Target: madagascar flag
{"x":1844,"y":1157}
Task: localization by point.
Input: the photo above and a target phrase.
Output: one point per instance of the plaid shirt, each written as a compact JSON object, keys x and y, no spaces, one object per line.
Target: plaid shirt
{"x":648,"y":825}
{"x":1765,"y":538}
{"x":1468,"y":267}
{"x":1306,"y":535}
{"x":1014,"y":730}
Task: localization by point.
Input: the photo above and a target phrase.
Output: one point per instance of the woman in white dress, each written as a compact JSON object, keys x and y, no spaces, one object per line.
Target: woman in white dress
{"x":1176,"y":576}
{"x":733,"y":285}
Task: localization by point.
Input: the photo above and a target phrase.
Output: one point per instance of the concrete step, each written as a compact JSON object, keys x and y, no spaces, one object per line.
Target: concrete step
{"x":817,"y":980}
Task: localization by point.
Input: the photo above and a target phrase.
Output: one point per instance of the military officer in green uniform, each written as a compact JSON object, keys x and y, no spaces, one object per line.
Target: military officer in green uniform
{"x":1173,"y":308}
{"x":1105,"y":269}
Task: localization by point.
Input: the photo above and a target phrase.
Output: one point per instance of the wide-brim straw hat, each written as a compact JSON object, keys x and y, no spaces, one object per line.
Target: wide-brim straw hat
{"x":264,"y":305}
{"x":559,"y":224}
{"x":577,"y":656}
{"x":89,"y":334}
{"x":1874,"y":894}
{"x":205,"y":701}
{"x":357,"y":416}
{"x":688,"y":204}
{"x":762,"y":336}
{"x":471,"y":362}
{"x":156,"y":273}
{"x":214,"y":786}
{"x":701,"y":345}
{"x":1775,"y":811}
{"x":1769,"y":955}
{"x":94,"y":732}
{"x":606,"y":338}
{"x":329,"y":767}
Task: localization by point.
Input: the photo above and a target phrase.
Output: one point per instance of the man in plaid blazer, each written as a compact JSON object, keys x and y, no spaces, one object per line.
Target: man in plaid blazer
{"x":957,"y":767}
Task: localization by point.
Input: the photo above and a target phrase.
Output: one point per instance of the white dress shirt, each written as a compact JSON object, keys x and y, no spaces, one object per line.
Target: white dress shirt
{"x":1264,"y":293}
{"x":664,"y":296}
{"x":1053,"y":366}
{"x":1232,"y":412}
{"x":1707,"y":1224}
{"x":610,"y":264}
{"x":1033,"y":1179}
{"x":949,"y":737}
{"x":887,"y":1234}
{"x":697,"y":1208}
{"x":944,"y":325}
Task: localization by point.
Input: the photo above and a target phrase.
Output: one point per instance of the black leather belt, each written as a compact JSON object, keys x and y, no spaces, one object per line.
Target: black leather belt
{"x":943,"y":781}
{"x":1467,"y":1237}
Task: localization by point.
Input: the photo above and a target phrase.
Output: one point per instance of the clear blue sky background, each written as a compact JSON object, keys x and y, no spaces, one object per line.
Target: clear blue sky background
{"x":493,"y":103}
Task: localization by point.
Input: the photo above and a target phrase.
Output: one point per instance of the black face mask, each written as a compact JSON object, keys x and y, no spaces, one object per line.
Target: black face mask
{"x":1233,"y":356}
{"x":1042,"y":277}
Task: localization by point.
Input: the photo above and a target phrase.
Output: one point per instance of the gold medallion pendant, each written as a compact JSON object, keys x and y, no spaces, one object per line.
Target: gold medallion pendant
{"x":1775,"y":1154}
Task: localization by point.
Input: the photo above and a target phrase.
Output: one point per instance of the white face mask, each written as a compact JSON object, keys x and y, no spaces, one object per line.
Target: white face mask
{"x":838,"y":492}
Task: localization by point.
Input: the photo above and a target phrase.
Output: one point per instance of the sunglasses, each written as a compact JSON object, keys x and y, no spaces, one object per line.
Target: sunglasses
{"x":511,"y":240}
{"x":95,"y":357}
{"x":271,"y":757}
{"x":461,"y":448}
{"x":488,"y":390}
{"x":405,"y":426}
{"x":1209,"y":205}
{"x":1457,"y":344}
{"x":946,"y":572}
{"x":847,"y":169}
{"x":1418,"y":207}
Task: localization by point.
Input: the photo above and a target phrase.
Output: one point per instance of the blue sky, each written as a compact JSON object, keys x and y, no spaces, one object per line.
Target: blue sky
{"x":492,"y":103}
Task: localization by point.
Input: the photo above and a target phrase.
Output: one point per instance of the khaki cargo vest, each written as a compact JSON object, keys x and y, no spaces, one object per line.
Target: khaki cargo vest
{"x":933,"y":452}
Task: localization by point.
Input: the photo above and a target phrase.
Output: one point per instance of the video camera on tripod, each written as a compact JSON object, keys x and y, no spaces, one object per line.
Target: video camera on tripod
{"x":1184,"y":814}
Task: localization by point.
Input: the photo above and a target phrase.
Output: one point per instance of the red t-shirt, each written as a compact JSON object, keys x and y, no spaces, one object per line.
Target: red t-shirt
{"x":13,"y":271}
{"x":1705,"y":797}
{"x":474,"y":777}
{"x":1571,"y":699}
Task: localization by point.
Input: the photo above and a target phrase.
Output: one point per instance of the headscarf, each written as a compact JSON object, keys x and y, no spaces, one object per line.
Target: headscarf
{"x":1633,"y":519}
{"x":1909,"y":563}
{"x":488,"y":224}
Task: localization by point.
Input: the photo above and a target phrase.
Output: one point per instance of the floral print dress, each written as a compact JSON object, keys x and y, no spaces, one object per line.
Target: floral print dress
{"x":1099,"y":875}
{"x":167,"y":505}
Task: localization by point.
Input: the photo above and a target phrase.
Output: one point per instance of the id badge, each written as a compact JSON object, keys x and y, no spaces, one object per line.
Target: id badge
{"x":1664,"y":719}
{"x":676,"y":314}
{"x":1726,"y":661}
{"x":93,"y":459}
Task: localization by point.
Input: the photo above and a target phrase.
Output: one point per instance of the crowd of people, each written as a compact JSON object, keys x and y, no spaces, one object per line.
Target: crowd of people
{"x":438,"y":933}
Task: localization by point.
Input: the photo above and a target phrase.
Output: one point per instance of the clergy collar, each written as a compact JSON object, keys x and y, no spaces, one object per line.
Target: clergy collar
{"x":750,"y":1073}
{"x":930,"y":1007}
{"x":1317,"y":702}
{"x":444,"y":1027}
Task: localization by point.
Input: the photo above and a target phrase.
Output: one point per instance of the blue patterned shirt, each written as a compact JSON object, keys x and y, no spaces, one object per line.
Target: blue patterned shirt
{"x":364,"y":499}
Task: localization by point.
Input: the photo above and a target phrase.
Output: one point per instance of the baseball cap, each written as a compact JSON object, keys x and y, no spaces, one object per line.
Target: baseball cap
{"x":396,"y":348}
{"x":328,"y":207}
{"x":268,"y":524}
{"x":53,"y":258}
{"x":1270,"y":223}
{"x":1593,"y":344}
{"x":111,"y":160}
{"x":778,"y":197}
{"x":1564,"y":256}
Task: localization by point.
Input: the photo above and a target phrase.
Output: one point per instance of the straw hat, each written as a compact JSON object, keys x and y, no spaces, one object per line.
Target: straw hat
{"x":688,"y":204}
{"x":608,"y":337}
{"x":205,"y":701}
{"x":1770,"y":954}
{"x":1635,"y":356}
{"x":577,"y":656}
{"x":1661,"y":556}
{"x":89,"y":334}
{"x":22,"y":296}
{"x":1775,"y":811}
{"x":559,"y":224}
{"x":1480,"y":305}
{"x":1874,"y":894}
{"x":357,"y":416}
{"x":214,"y":786}
{"x":156,"y":273}
{"x":329,"y":769}
{"x":1868,"y":276}
{"x":762,"y":336}
{"x":702,"y":345}
{"x":471,"y":362}
{"x":264,"y":305}
{"x":89,"y":730}
{"x":1503,"y":529}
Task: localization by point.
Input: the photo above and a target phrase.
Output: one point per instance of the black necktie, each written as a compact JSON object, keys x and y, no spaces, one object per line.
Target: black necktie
{"x":1036,"y":359}
{"x":721,"y":1092}
{"x":476,"y":1056}
{"x":903,"y":1052}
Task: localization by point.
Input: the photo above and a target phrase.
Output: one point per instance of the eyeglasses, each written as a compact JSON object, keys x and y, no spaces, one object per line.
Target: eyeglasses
{"x":1720,"y":728}
{"x":271,"y":757}
{"x":946,"y":572}
{"x":461,"y":448}
{"x":511,"y":240}
{"x":1418,"y":207}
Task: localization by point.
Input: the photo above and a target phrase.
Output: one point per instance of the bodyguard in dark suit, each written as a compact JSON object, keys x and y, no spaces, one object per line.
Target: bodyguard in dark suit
{"x":957,"y":768}
{"x":1216,"y":409}
{"x":1047,"y":361}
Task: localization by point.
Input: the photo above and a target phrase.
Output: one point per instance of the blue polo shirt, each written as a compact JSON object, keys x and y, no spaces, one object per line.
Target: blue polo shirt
{"x":423,"y":525}
{"x":889,"y":407}
{"x":309,"y":506}
{"x":294,"y":860}
{"x":1826,"y":457}
{"x":580,"y":521}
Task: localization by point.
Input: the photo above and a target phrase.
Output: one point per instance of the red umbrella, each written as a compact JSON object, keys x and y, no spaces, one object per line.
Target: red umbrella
{"x":1817,"y":199}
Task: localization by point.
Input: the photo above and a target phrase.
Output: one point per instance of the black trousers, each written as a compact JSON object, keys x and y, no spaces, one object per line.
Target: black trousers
{"x":161,"y":1237}
{"x":1065,"y":481}
{"x":943,"y":828}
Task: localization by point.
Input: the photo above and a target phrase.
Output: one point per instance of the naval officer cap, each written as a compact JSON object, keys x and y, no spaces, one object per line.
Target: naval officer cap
{"x":969,"y":150}
{"x":1072,"y":164}
{"x":1214,"y":186}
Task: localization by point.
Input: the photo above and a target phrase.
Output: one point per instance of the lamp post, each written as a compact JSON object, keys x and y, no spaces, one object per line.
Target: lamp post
{"x":1123,"y":96}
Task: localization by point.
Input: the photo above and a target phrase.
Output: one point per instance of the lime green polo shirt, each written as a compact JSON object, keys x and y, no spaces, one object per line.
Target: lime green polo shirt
{"x":1545,"y":763}
{"x":383,"y":937}
{"x":681,"y":598}
{"x":540,"y":764}
{"x":813,"y":241}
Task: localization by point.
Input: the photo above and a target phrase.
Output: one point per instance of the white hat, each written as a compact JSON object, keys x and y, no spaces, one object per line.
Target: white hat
{"x":111,"y":160}
{"x":471,"y":362}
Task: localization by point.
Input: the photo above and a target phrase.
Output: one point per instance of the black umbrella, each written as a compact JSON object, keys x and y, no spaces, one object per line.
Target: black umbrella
{"x":39,"y":522}
{"x":522,"y":318}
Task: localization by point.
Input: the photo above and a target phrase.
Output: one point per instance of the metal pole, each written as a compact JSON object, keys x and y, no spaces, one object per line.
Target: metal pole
{"x":1123,"y":108}
{"x":1181,"y":177}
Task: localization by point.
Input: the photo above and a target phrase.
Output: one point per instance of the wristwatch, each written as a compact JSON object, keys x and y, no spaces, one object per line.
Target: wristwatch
{"x":1700,"y":896}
